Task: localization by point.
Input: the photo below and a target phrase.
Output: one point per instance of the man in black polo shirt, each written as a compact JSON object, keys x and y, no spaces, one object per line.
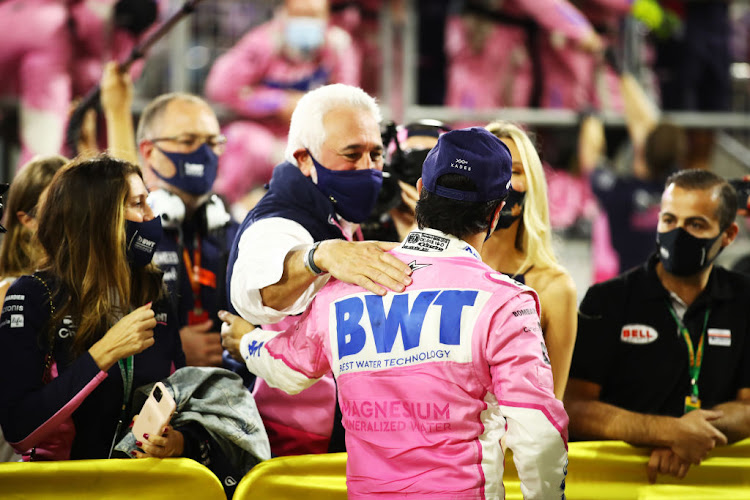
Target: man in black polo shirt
{"x":662,"y":357}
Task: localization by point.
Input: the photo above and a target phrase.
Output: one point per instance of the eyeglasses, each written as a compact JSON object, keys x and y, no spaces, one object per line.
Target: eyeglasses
{"x":194,"y":141}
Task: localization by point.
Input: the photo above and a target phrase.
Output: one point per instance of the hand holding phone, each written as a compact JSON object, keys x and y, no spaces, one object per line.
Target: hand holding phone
{"x":156,"y":413}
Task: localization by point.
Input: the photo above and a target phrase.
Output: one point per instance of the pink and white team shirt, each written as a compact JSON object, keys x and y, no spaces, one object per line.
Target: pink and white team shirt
{"x":431,"y":379}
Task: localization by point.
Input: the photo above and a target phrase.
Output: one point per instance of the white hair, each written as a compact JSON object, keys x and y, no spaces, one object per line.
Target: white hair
{"x":306,"y":128}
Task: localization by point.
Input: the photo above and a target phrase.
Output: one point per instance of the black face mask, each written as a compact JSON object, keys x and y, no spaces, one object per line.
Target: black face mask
{"x":506,"y":214}
{"x":682,"y":254}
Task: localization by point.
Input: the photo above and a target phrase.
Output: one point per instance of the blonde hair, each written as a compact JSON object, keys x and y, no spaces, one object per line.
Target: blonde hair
{"x":534,"y":236}
{"x":19,"y":251}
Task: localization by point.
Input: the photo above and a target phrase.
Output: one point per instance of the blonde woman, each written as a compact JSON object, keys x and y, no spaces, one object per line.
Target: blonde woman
{"x":521,"y":247}
{"x":19,"y":251}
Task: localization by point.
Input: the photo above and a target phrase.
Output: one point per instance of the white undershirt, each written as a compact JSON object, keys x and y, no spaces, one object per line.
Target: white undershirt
{"x":263,"y":248}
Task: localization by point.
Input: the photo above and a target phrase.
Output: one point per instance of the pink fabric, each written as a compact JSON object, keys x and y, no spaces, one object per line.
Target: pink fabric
{"x":302,"y":424}
{"x":306,"y":430}
{"x":569,"y":197}
{"x":54,"y":438}
{"x":44,"y":65}
{"x":605,"y":259}
{"x":364,"y":31}
{"x":420,"y":427}
{"x":238,"y":80}
{"x":34,"y":58}
{"x":498,"y":72}
{"x":487,"y":77}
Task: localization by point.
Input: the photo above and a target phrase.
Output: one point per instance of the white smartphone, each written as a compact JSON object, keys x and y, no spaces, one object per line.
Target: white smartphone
{"x":156,"y":413}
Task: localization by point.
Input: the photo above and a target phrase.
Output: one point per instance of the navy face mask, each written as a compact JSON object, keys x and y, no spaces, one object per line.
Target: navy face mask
{"x":682,"y":254}
{"x":506,"y":214}
{"x":196,"y":171}
{"x":141,"y":239}
{"x":352,"y":192}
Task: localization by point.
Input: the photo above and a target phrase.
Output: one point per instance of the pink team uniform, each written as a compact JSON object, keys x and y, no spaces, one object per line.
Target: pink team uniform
{"x":253,"y":80}
{"x":53,"y":50}
{"x":499,"y":73}
{"x":431,"y":379}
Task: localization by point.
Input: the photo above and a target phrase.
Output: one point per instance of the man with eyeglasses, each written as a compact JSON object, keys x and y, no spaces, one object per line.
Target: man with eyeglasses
{"x":179,"y":141}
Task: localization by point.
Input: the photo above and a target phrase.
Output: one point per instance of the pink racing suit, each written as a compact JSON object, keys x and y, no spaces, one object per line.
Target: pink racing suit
{"x":489,"y":65}
{"x":254,"y":79}
{"x":431,"y":379}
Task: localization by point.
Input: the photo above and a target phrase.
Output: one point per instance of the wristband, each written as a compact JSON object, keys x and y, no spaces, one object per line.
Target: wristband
{"x":310,"y":262}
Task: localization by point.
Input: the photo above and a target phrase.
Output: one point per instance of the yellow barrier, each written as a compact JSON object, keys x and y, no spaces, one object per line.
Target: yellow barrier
{"x":597,"y":470}
{"x":142,"y":479}
{"x":296,"y":478}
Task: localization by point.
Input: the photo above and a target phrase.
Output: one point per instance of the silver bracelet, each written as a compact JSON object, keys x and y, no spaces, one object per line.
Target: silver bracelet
{"x":310,"y":262}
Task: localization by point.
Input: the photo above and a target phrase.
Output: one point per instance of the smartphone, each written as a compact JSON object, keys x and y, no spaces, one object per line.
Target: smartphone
{"x":743,"y":191}
{"x":156,"y":413}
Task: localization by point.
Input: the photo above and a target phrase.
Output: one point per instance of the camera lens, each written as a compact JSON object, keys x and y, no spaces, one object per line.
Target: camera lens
{"x":157,"y":394}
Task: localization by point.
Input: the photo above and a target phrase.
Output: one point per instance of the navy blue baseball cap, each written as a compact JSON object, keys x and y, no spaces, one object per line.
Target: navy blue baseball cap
{"x":474,"y":153}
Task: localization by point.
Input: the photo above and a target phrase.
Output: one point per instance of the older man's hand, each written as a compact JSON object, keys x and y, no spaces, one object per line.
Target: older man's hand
{"x":364,"y":263}
{"x":232,"y":331}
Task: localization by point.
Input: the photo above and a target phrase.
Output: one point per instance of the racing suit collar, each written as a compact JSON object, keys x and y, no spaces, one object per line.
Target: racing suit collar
{"x":436,"y":243}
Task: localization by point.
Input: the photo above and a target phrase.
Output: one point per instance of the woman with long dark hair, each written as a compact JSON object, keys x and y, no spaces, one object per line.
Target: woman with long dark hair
{"x":91,"y":324}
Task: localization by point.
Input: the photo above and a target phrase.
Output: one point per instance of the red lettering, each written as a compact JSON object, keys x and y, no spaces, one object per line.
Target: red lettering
{"x":626,"y":333}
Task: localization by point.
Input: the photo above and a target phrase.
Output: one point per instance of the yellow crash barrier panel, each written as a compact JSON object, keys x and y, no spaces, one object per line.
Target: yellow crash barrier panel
{"x":114,"y":479}
{"x":597,"y":470}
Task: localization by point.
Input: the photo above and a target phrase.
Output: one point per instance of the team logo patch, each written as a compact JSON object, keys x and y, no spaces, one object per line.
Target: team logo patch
{"x":414,"y":266}
{"x":423,"y":242}
{"x":16,"y":320}
{"x":720,"y":337}
{"x":638,"y":334}
{"x":194,"y":169}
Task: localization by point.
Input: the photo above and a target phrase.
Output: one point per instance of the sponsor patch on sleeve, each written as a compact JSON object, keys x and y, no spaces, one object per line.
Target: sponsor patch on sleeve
{"x":16,"y":320}
{"x":720,"y":337}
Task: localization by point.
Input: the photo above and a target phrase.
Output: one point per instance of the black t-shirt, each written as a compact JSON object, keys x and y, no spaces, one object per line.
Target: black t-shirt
{"x":629,"y":343}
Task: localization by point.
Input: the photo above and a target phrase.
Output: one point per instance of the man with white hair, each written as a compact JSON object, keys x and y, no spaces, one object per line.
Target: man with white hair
{"x":300,"y":234}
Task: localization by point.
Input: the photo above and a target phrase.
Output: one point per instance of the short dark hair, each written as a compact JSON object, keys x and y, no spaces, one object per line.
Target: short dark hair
{"x":456,"y":217}
{"x":703,"y":179}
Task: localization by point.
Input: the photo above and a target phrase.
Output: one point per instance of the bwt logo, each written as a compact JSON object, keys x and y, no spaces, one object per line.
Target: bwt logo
{"x":254,"y":348}
{"x":385,"y":325}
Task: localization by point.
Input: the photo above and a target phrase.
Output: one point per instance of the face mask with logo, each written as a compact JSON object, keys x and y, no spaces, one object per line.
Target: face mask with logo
{"x":141,"y":239}
{"x":506,"y":214}
{"x":682,"y":254}
{"x":196,"y":171}
{"x":353,"y":192}
{"x":304,"y":34}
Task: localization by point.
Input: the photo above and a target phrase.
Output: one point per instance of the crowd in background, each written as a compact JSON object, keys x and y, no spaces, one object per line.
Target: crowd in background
{"x":241,"y":217}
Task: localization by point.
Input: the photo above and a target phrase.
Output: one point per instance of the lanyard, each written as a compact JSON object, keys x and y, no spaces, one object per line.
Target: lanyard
{"x":694,"y":358}
{"x":196,"y":274}
{"x":126,"y":370}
